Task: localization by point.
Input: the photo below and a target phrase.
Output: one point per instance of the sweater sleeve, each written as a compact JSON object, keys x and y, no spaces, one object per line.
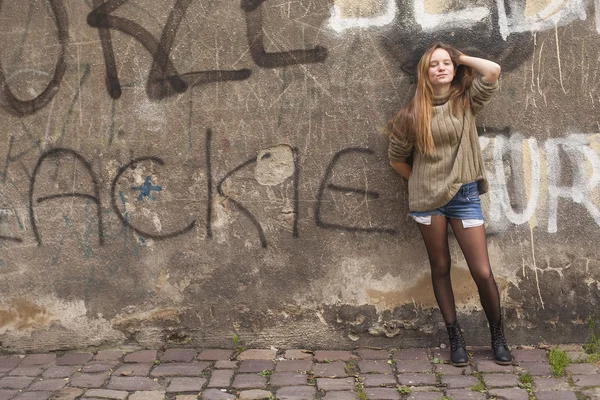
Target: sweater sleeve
{"x":481,"y":93}
{"x":400,"y":148}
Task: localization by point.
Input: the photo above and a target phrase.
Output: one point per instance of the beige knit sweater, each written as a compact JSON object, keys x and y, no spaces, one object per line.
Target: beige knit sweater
{"x":436,"y":178}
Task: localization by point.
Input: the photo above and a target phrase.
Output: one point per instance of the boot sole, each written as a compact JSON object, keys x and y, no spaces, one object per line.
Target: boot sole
{"x":503,"y":362}
{"x":461,"y":364}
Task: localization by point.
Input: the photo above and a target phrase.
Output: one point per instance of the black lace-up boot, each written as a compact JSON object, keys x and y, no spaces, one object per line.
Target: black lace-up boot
{"x":458,"y":352}
{"x":502,"y":354}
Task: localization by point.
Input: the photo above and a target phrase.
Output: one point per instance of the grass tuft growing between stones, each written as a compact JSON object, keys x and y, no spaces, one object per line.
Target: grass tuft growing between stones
{"x":559,"y":360}
{"x":479,"y":386}
{"x":526,"y":382}
{"x":360,"y":393}
{"x":592,"y":346}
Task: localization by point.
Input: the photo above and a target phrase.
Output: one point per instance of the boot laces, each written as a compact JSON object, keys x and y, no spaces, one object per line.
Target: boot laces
{"x":498,"y":338}
{"x":456,"y":339}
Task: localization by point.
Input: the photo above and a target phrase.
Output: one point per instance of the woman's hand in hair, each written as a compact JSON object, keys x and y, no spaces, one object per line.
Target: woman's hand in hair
{"x":488,"y":69}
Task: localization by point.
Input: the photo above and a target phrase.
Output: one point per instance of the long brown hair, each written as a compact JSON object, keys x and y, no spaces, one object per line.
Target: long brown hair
{"x":414,"y":120}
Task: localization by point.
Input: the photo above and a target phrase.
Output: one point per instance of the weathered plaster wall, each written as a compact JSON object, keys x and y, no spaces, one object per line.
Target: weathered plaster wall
{"x":173,"y":172}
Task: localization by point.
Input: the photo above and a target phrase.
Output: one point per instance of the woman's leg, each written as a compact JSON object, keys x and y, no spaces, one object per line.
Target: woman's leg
{"x":473,"y":244}
{"x":435,"y":237}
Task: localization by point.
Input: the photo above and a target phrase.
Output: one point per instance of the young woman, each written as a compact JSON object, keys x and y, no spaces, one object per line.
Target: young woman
{"x":437,"y":129}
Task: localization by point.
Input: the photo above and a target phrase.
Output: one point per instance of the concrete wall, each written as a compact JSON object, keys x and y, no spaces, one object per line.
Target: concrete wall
{"x":172,"y":172}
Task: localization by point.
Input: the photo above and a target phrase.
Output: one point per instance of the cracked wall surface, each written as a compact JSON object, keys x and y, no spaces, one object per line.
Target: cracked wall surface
{"x":175,"y":172}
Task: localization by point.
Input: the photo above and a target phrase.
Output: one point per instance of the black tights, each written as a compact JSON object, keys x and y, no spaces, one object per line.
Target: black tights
{"x":473,"y":244}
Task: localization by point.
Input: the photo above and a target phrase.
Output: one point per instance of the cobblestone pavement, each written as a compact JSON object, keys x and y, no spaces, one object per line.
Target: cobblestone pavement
{"x":217,"y":374}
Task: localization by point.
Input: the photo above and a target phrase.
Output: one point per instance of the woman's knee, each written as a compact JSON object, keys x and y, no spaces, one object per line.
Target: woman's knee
{"x":440,"y":267}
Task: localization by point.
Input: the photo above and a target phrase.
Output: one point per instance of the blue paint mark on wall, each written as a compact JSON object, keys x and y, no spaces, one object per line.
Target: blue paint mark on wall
{"x":146,"y":189}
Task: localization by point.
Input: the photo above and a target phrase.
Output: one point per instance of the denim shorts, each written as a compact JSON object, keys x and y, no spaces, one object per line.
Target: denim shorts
{"x":465,"y":205}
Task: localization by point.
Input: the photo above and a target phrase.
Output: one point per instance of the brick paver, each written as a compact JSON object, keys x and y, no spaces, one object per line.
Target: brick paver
{"x":133,"y":383}
{"x":382,"y":394}
{"x":509,"y":394}
{"x":371,"y":354}
{"x":255,"y":394}
{"x":15,"y":382}
{"x":215,"y":394}
{"x":50,"y":385}
{"x":454,"y":382}
{"x":184,"y":374}
{"x":555,"y":395}
{"x":155,"y":395}
{"x":179,"y":369}
{"x":425,"y":396}
{"x":7,"y":364}
{"x":374,"y":366}
{"x":334,"y":369}
{"x":280,"y":379}
{"x":38,"y":359}
{"x":214,"y":354}
{"x":108,"y":355}
{"x":294,"y":366}
{"x":340,"y":395}
{"x":181,"y":355}
{"x":464,"y":394}
{"x":7,"y":394}
{"x":417,"y":379}
{"x":89,"y":380}
{"x":332,"y":355}
{"x":412,"y":354}
{"x":335,"y":383}
{"x":141,"y":356}
{"x":106,"y":394}
{"x":296,"y":393}
{"x":586,"y":380}
{"x":500,"y":380}
{"x":137,"y":369}
{"x":249,"y":381}
{"x":68,"y":393}
{"x":186,"y":385}
{"x":413,"y":366}
{"x":298,"y":355}
{"x":221,"y":378}
{"x":257,"y":354}
{"x":257,"y":365}
{"x":374,"y":380}
{"x":74,"y":359}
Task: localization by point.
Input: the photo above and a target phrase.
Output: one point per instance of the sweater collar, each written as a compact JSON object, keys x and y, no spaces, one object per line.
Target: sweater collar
{"x":439,"y":99}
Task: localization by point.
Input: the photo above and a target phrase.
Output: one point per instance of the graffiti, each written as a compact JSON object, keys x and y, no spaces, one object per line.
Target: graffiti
{"x":146,"y":189}
{"x":121,"y":215}
{"x":163,"y":78}
{"x":18,"y":157}
{"x":255,"y":33}
{"x":361,"y":192}
{"x":507,"y":16}
{"x":209,"y":181}
{"x":339,"y":23}
{"x":15,"y":106}
{"x":95,"y":198}
{"x":515,"y":197}
{"x":4,"y":220}
{"x":581,"y":156}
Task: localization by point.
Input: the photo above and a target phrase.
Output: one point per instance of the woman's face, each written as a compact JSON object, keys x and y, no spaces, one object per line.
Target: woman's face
{"x":441,"y":69}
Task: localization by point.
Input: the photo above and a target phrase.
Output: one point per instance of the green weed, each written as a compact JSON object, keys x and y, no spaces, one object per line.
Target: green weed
{"x":558,"y":361}
{"x":360,"y":393}
{"x":526,"y":382}
{"x":265,"y":373}
{"x":479,"y":386}
{"x":403,"y":389}
{"x":592,"y":346}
